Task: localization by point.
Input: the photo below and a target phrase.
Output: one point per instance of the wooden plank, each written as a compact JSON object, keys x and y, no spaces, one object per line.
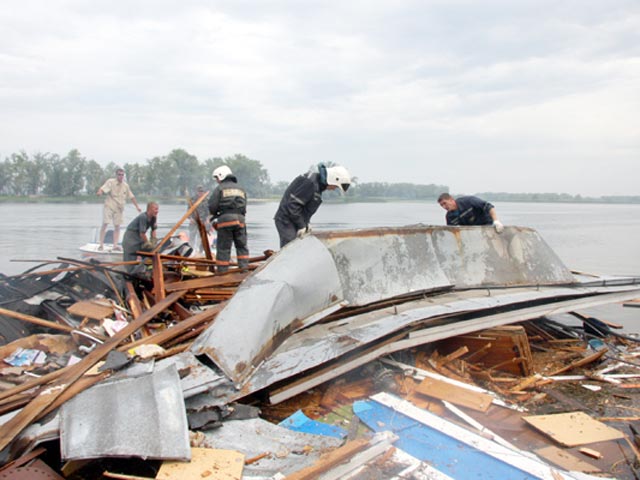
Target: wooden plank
{"x":133,"y":300}
{"x":580,"y":363}
{"x":329,"y":460}
{"x":506,"y":343}
{"x":589,"y":452}
{"x":165,"y":335}
{"x":158,"y":278}
{"x":177,"y":225}
{"x":205,"y":463}
{"x":573,"y":428}
{"x":432,"y":387}
{"x":50,"y":393}
{"x":35,"y":321}
{"x":229,"y":280}
{"x":566,"y":460}
{"x":92,"y":309}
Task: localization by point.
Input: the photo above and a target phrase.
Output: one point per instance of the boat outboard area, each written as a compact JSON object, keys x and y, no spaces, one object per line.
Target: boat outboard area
{"x":208,"y":362}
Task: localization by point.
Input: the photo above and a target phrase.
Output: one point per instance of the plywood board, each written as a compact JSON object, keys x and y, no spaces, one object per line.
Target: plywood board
{"x":573,"y":428}
{"x":205,"y":463}
{"x":454,"y":394}
{"x":566,"y":460}
{"x":91,"y":309}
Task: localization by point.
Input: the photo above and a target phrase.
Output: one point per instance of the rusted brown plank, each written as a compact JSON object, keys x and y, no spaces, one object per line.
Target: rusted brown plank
{"x":133,"y":300}
{"x":35,"y":320}
{"x":158,"y":278}
{"x":180,"y":222}
{"x":47,"y":395}
{"x":229,"y":280}
{"x":580,"y":363}
{"x":204,"y":238}
{"x":178,"y":329}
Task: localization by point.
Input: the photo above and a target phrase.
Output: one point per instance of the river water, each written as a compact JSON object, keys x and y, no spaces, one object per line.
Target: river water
{"x":601,"y":239}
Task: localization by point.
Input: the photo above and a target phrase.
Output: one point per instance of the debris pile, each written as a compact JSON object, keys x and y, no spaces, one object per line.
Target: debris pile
{"x":421,"y":352}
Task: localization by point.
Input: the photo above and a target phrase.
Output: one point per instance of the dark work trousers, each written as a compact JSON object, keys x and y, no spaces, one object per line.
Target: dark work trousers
{"x":286,"y":230}
{"x":236,"y":235}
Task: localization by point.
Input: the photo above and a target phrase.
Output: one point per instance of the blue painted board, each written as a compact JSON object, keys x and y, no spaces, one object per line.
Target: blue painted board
{"x":299,"y":422}
{"x":443,"y":452}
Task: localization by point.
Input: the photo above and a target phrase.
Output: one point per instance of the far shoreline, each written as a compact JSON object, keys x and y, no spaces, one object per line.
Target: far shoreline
{"x":496,"y":198}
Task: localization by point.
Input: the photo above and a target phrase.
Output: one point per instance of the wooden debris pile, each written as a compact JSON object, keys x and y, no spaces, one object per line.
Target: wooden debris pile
{"x":566,"y":393}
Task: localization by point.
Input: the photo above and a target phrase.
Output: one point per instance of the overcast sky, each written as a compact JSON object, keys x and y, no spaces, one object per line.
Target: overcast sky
{"x":511,"y":96}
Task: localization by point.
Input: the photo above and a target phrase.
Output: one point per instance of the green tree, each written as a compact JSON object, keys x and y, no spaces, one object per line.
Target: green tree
{"x":74,"y":166}
{"x":250,"y":173}
{"x":187,"y":171}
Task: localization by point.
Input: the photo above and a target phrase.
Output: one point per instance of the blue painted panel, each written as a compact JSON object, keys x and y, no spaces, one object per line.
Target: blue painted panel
{"x":445,"y":453}
{"x":299,"y":422}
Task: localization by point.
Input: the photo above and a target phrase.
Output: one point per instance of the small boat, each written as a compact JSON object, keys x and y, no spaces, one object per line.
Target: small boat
{"x":178,"y":245}
{"x":107,"y":253}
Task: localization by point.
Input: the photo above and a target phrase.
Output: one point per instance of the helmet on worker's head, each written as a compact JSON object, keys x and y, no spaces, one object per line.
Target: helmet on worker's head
{"x":339,"y":177}
{"x":221,"y":173}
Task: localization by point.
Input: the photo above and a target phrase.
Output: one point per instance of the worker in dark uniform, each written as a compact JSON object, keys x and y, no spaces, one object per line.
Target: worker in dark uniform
{"x":302,"y":198}
{"x":135,"y":237}
{"x":228,"y":207}
{"x":469,"y":210}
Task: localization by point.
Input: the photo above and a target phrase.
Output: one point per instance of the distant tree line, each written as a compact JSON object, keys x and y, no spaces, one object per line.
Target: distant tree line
{"x":556,"y":198}
{"x":178,"y":173}
{"x":174,"y":175}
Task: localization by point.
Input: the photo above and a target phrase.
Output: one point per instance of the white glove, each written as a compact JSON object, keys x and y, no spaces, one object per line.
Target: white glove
{"x":497,"y":224}
{"x":303,"y":231}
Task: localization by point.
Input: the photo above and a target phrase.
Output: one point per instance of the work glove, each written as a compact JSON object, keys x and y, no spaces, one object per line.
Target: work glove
{"x":147,"y":246}
{"x":304,"y":231}
{"x":497,"y":224}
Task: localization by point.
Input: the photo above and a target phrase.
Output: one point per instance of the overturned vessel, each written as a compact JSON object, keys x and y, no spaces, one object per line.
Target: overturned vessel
{"x":424,"y":272}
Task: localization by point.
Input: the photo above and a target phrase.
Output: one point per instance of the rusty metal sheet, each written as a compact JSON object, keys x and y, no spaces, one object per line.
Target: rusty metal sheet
{"x":329,"y":342}
{"x":293,"y":285}
{"x":384,"y":262}
{"x":323,"y":343}
{"x":313,"y":274}
{"x":137,"y":417}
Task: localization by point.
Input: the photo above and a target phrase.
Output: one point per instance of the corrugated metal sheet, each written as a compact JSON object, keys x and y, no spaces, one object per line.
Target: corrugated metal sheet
{"x":139,"y":417}
{"x":317,"y":272}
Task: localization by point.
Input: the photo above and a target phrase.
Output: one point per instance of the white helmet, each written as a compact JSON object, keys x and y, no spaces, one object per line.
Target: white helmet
{"x":338,"y":176}
{"x":221,"y":173}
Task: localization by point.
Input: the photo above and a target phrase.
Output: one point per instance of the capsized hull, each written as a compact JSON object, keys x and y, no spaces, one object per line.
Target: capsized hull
{"x":318,"y":274}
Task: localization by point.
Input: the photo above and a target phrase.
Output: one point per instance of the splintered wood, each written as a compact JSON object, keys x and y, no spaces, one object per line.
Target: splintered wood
{"x":502,"y":348}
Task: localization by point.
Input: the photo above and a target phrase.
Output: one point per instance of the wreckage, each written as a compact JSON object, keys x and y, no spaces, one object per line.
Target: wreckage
{"x":323,"y":306}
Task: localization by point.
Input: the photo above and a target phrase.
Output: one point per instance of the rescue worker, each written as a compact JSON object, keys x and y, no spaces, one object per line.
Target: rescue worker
{"x":469,"y":210}
{"x":135,"y":237}
{"x":228,"y":207}
{"x":303,"y":196}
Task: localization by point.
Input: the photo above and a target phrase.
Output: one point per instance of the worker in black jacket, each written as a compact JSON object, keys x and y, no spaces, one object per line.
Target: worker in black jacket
{"x":469,"y":210}
{"x":302,"y":198}
{"x":228,"y":207}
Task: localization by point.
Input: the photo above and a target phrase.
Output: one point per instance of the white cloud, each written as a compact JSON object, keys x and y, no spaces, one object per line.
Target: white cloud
{"x":498,"y":95}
